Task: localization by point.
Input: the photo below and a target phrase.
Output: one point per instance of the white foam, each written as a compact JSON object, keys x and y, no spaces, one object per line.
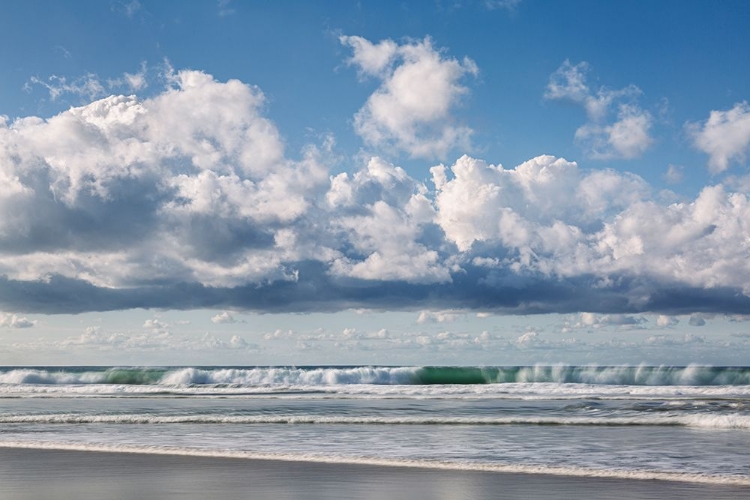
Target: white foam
{"x":695,"y":420}
{"x":290,"y":376}
{"x":38,"y":376}
{"x":510,"y":391}
{"x":427,"y":464}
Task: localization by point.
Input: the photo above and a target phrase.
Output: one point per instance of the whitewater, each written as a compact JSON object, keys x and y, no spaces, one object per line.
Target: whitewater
{"x":677,"y":423}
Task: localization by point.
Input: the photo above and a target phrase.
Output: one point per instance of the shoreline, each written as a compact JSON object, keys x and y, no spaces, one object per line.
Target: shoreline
{"x":47,"y":473}
{"x":580,"y":473}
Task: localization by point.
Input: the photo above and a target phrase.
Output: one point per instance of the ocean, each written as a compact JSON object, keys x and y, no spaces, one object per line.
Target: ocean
{"x":689,"y":424}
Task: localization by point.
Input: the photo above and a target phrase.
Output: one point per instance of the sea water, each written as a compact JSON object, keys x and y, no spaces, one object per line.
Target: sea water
{"x":678,"y":423}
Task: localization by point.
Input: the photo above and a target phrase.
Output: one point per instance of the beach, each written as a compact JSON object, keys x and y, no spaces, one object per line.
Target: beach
{"x":374,"y":250}
{"x":35,"y":474}
{"x":374,"y":432}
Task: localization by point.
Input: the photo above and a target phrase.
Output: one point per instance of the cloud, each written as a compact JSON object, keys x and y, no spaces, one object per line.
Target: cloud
{"x":188,"y":199}
{"x":663,"y":321}
{"x":65,"y":53}
{"x":438,"y":316}
{"x":182,"y":181}
{"x":528,"y":339}
{"x":155,"y":325}
{"x":87,"y":86}
{"x":132,"y":7}
{"x":627,"y":137}
{"x":225,"y":8}
{"x":674,"y":174}
{"x":724,"y":137}
{"x":237,"y":342}
{"x":127,"y":7}
{"x":591,"y":320}
{"x":94,"y":338}
{"x":411,"y":109}
{"x":502,"y":4}
{"x":383,"y":214}
{"x":697,"y":320}
{"x":279,"y":334}
{"x":668,"y":340}
{"x":15,"y":321}
{"x":133,"y":82}
{"x":542,"y":205}
{"x":223,"y":318}
{"x":548,"y":217}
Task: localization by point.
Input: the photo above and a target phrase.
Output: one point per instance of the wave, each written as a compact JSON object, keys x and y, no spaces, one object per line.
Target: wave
{"x":728,"y":480}
{"x":694,"y":420}
{"x":692,"y":375}
{"x":511,"y":392}
{"x":76,"y":376}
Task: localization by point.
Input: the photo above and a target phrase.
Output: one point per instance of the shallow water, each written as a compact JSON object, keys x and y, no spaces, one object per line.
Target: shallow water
{"x":34,"y":474}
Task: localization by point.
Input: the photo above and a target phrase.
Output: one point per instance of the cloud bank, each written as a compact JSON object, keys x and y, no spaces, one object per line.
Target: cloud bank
{"x":188,"y":199}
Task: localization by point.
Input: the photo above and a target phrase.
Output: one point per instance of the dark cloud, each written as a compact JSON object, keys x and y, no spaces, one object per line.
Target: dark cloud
{"x":317,"y":291}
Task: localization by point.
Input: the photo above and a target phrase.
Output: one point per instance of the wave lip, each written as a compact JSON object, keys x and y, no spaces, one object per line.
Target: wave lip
{"x":68,"y":376}
{"x":287,"y":376}
{"x":693,"y":375}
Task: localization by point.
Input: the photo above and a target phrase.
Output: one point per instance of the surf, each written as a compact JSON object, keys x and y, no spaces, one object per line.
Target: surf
{"x":692,"y":375}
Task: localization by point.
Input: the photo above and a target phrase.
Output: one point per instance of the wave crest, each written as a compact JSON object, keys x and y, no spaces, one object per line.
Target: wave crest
{"x":327,"y":376}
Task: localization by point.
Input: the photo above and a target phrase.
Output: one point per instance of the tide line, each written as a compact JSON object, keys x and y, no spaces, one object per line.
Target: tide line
{"x":582,"y":472}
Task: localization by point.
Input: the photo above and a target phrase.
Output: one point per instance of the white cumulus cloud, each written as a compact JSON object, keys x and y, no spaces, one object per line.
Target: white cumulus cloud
{"x":626,"y":136}
{"x":548,"y":216}
{"x":126,"y":190}
{"x":94,"y":338}
{"x":16,"y":321}
{"x":382,"y":213}
{"x":663,"y":321}
{"x":591,"y":320}
{"x":725,"y":136}
{"x":224,"y":317}
{"x":188,"y":199}
{"x":438,"y":316}
{"x":411,"y":110}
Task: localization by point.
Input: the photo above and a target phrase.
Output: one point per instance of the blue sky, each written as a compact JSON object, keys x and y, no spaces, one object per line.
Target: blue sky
{"x":495,"y":182}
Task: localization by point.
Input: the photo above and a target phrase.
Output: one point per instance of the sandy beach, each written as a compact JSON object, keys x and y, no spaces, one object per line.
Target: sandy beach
{"x":37,"y":474}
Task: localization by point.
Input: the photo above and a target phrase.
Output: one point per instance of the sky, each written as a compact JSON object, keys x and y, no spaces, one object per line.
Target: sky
{"x":495,"y":182}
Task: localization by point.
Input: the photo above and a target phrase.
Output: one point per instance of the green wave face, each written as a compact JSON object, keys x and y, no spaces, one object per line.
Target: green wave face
{"x":127,"y":376}
{"x":434,"y":375}
{"x":596,"y":375}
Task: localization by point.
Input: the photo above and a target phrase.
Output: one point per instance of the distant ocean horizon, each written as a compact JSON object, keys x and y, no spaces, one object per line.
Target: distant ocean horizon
{"x":685,"y":423}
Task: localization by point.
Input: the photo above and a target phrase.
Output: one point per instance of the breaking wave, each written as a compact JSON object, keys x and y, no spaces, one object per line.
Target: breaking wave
{"x":693,"y":375}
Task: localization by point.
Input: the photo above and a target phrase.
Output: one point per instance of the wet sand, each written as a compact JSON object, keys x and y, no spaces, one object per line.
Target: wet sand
{"x":43,"y":474}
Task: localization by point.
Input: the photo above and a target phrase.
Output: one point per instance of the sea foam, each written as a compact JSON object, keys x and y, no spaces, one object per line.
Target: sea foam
{"x":584,"y":472}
